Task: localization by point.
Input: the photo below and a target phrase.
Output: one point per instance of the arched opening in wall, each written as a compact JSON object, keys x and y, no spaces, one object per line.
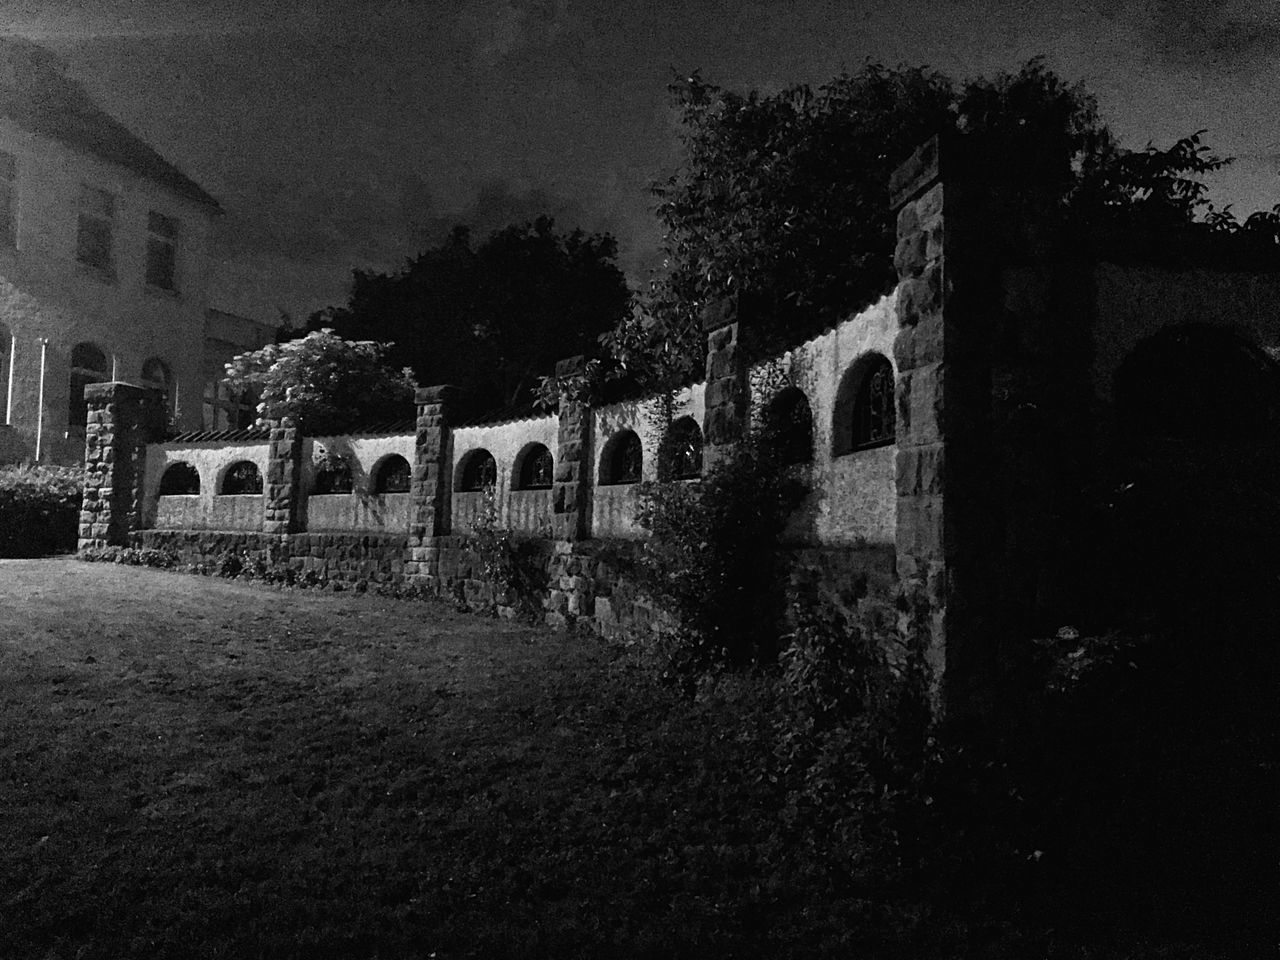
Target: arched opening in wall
{"x":241,"y":478}
{"x":391,"y":474}
{"x":622,"y":460}
{"x":333,"y":475}
{"x":157,"y":376}
{"x":88,"y":365}
{"x":788,"y":426}
{"x":864,"y":415}
{"x":535,"y":468}
{"x":476,"y":470}
{"x":1196,"y":465}
{"x":1196,"y":383}
{"x":179,"y":479}
{"x":680,"y":454}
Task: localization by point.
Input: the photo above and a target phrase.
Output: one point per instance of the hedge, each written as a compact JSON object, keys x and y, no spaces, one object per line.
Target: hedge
{"x":39,"y":509}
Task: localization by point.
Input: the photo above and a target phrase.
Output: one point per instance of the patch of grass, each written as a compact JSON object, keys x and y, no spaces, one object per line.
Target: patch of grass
{"x":192,"y":767}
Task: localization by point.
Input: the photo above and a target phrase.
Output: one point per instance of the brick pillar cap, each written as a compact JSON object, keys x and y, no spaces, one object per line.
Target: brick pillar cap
{"x":916,"y":173}
{"x":571,"y":366}
{"x":719,"y":313}
{"x":117,"y":390}
{"x":441,"y":393}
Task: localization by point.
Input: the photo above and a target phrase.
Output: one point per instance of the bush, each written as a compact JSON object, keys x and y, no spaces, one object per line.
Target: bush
{"x":709,"y":560}
{"x":39,"y":510}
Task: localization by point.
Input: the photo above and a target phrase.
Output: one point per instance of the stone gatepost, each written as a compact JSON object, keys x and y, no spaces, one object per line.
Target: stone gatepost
{"x":571,"y":484}
{"x":281,"y":503}
{"x":122,"y":420}
{"x":728,"y":394}
{"x":966,"y":209}
{"x":432,"y":483}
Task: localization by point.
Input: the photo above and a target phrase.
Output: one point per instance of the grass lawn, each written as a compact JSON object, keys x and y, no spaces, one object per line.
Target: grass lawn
{"x":191,"y":767}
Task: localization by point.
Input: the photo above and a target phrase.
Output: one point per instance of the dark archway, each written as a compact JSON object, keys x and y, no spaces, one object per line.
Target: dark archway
{"x":179,"y":479}
{"x":788,"y":426}
{"x":392,"y":475}
{"x":680,"y":455}
{"x":622,"y":460}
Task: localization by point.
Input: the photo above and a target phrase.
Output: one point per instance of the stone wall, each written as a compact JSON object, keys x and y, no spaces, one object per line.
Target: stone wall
{"x":346,"y":558}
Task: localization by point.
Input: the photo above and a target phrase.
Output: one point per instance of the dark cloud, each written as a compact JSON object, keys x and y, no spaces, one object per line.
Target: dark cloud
{"x":1224,"y":36}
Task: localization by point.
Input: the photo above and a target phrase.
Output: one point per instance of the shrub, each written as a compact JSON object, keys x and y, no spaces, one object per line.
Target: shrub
{"x":512,"y":564}
{"x":709,"y":559}
{"x":130,"y":557}
{"x":39,"y":510}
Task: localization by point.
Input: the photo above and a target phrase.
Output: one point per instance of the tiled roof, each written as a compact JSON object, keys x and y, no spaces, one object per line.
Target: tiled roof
{"x":216,"y":436}
{"x":37,"y":96}
{"x":508,"y":414}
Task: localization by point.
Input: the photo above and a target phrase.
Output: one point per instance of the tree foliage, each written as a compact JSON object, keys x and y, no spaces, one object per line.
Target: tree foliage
{"x":782,"y":199}
{"x":489,"y":318}
{"x":327,"y":384}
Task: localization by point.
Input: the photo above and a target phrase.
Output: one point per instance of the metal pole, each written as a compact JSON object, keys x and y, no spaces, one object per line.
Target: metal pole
{"x":44,"y":346}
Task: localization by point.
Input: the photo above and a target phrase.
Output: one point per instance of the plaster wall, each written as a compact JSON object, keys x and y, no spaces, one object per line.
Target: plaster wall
{"x":1133,"y":303}
{"x":206,"y":510}
{"x":854,"y":495}
{"x":46,"y":294}
{"x":614,"y":506}
{"x":504,"y":441}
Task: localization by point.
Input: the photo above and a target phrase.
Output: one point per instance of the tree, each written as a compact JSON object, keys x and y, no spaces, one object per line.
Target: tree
{"x":494,"y":317}
{"x":783,"y":200}
{"x":327,"y":384}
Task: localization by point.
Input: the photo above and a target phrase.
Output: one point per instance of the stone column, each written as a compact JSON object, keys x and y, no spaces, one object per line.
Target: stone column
{"x":728,"y":394}
{"x":571,"y":485}
{"x":967,"y":209}
{"x":122,"y":420}
{"x":281,"y":505}
{"x":432,"y":483}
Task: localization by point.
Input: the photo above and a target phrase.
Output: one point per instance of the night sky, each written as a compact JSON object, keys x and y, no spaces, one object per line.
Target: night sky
{"x":339,"y":133}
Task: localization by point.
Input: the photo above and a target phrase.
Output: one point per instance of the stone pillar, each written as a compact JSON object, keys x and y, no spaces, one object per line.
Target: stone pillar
{"x":728,"y":394}
{"x":122,"y":420}
{"x":571,"y":485}
{"x":944,"y":535}
{"x":281,"y":505}
{"x":432,"y":483}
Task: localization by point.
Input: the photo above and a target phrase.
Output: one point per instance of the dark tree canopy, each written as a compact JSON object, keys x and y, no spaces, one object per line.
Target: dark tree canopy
{"x":490,"y":318}
{"x":783,"y":199}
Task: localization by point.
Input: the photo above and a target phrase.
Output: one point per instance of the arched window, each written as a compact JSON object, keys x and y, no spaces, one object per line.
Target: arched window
{"x":88,"y":365}
{"x":535,"y":468}
{"x":622,"y":459}
{"x":864,"y":410}
{"x":179,"y":479}
{"x":680,"y":456}
{"x":788,"y":425}
{"x":477,"y":470}
{"x":1196,"y":383}
{"x":392,"y":475}
{"x":157,"y":376}
{"x":241,"y":478}
{"x":333,"y":475}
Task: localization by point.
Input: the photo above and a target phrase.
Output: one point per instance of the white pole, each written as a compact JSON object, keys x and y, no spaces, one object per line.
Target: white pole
{"x":8,"y":407}
{"x":44,"y":346}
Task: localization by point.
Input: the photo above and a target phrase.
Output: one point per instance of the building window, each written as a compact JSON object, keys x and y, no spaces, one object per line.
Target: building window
{"x":157,"y":376}
{"x":680,"y":456}
{"x":240,"y":479}
{"x":789,"y":427}
{"x":8,"y":200}
{"x":392,"y":475}
{"x":88,"y":365}
{"x":535,"y":468}
{"x":622,"y":460}
{"x":874,"y":420}
{"x":162,"y":251}
{"x":333,"y":475}
{"x":180,"y":479}
{"x":227,"y":409}
{"x":477,"y":470}
{"x":94,"y":242}
{"x":864,"y":413}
